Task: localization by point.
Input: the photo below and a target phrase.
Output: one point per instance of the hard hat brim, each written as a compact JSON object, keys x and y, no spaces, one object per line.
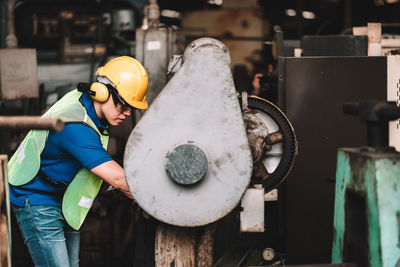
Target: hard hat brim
{"x":138,"y":105}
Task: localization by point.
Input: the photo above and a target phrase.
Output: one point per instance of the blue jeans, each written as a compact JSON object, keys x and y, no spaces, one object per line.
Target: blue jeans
{"x":51,"y":242}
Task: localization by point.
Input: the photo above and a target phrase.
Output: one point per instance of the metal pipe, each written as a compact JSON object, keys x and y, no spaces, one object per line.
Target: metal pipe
{"x":30,"y":122}
{"x":387,"y":111}
{"x":351,"y":108}
{"x":274,"y":138}
{"x":11,"y":39}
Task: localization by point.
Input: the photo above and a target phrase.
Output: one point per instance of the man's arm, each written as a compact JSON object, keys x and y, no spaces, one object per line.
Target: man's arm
{"x":113,"y":174}
{"x":89,"y":152}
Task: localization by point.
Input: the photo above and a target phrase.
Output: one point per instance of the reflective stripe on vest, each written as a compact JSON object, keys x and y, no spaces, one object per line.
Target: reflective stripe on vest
{"x":25,"y":163}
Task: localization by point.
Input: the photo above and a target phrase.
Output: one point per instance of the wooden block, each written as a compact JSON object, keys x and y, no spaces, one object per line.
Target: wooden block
{"x":357,"y":31}
{"x":374,"y":39}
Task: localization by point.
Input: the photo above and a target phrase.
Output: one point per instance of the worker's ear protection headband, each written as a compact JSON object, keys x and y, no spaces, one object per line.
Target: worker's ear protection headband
{"x":99,"y":92}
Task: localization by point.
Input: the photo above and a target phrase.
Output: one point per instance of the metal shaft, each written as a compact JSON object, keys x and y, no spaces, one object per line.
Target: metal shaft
{"x":30,"y":122}
{"x":11,"y":39}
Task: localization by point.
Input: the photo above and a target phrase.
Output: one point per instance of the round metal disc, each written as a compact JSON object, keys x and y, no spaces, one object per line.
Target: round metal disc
{"x":186,"y":164}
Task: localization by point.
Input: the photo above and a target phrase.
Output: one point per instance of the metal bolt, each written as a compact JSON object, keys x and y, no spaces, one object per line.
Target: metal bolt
{"x":186,"y":164}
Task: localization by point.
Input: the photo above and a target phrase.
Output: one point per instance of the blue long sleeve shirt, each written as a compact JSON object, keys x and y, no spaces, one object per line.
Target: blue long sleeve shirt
{"x":64,"y":154}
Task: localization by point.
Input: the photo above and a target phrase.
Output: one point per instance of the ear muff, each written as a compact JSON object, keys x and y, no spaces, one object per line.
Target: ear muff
{"x":99,"y":92}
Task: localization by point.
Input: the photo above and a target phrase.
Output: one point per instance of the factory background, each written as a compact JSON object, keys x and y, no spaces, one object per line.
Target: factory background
{"x":314,"y":56}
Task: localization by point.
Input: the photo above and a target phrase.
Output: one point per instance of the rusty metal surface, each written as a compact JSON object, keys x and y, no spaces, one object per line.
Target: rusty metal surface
{"x":30,"y":122}
{"x":272,"y":141}
{"x":367,"y":202}
{"x":18,"y":74}
{"x":199,"y":104}
{"x":274,"y":138}
{"x":259,"y":127}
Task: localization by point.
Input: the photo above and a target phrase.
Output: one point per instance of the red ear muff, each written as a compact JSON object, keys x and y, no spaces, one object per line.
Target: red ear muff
{"x":99,"y":92}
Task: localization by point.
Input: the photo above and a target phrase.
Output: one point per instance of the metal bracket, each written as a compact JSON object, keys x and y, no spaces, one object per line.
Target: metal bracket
{"x":252,"y":215}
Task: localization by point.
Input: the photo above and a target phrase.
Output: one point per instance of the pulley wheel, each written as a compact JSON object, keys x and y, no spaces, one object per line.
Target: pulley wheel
{"x":272,"y":140}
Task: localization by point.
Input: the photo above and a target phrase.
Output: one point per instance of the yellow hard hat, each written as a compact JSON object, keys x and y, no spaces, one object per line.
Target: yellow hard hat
{"x":129,"y":78}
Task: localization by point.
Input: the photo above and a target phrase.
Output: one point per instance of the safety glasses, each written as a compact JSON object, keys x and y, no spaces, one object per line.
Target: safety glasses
{"x":119,"y":100}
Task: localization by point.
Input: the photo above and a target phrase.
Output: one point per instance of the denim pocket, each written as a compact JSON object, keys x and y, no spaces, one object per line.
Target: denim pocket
{"x":48,"y":222}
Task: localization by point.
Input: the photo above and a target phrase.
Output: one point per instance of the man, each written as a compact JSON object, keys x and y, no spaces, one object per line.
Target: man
{"x":54,"y":176}
{"x":265,"y":84}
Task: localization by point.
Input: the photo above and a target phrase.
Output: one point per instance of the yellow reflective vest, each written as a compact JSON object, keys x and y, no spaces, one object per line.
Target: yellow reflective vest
{"x":25,"y":163}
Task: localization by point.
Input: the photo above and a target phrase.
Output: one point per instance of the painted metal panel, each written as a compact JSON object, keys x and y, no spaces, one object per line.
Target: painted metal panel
{"x":252,"y":215}
{"x":198,"y":106}
{"x":374,"y":177}
{"x":315,"y":88}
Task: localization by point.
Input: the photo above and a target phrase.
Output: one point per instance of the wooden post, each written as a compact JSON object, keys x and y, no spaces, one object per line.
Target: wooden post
{"x":5,"y":231}
{"x":175,"y":246}
{"x":183,"y":246}
{"x":374,"y":39}
{"x":205,"y":246}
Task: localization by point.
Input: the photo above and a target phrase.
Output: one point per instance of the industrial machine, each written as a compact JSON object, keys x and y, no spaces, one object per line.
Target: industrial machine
{"x":366,"y":219}
{"x":367,"y":200}
{"x":201,"y":146}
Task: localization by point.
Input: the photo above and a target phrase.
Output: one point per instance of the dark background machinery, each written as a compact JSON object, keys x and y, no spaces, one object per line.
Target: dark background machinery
{"x":72,"y":38}
{"x":317,"y":104}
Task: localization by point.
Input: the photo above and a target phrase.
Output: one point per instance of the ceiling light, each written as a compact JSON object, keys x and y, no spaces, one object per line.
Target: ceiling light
{"x":216,"y":2}
{"x":308,"y":15}
{"x":290,"y":12}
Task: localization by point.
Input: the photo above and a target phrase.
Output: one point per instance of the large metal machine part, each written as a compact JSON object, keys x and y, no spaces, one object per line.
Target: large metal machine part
{"x":194,"y":128}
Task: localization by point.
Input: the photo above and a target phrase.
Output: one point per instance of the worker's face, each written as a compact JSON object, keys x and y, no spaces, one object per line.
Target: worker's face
{"x":115,"y":114}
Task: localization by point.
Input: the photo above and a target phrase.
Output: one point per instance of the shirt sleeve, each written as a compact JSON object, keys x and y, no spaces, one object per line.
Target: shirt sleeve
{"x":84,"y":144}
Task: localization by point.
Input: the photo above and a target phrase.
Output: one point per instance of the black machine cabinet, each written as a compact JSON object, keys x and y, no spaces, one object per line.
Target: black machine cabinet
{"x":312,"y":91}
